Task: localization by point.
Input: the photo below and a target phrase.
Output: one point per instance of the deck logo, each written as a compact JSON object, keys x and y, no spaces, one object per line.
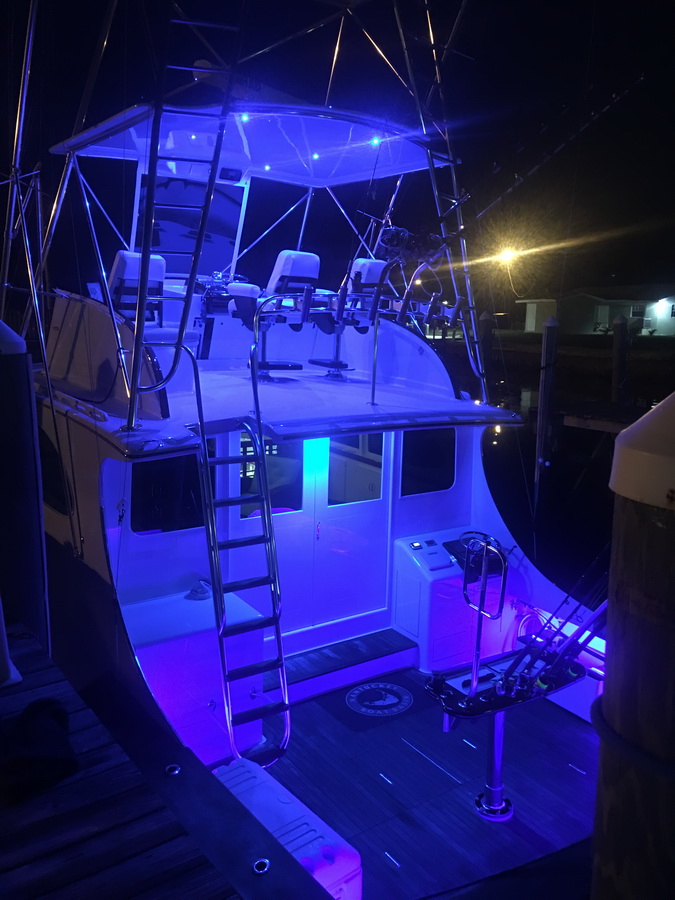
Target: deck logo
{"x":379,"y":698}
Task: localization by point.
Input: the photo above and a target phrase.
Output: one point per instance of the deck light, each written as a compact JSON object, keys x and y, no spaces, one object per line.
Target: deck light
{"x":267,"y":167}
{"x":375,"y":141}
{"x":315,"y":155}
{"x":245,"y":117}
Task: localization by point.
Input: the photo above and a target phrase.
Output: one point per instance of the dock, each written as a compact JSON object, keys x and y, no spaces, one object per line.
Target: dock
{"x":102,"y":832}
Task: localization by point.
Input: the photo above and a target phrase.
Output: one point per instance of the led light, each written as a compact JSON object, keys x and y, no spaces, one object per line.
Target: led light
{"x":375,"y":141}
{"x":418,"y":281}
{"x":315,"y":155}
{"x":245,"y":117}
{"x":267,"y":167}
{"x":193,"y":137}
{"x":507,"y":256}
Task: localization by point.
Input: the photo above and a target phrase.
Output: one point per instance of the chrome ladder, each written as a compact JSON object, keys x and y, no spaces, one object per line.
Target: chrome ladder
{"x":268,"y":751}
{"x":201,"y":210}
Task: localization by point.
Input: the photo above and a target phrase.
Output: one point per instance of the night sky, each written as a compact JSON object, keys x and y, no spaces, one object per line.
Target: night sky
{"x":560,"y":113}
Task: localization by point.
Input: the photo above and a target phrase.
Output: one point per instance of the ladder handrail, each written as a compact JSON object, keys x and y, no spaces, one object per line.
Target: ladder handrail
{"x":255,"y":432}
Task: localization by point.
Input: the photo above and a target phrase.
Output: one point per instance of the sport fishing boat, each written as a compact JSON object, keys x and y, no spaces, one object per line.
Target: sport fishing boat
{"x":269,"y":526}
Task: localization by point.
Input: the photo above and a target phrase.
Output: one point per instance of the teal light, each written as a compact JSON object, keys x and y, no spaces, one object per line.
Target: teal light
{"x":315,"y":155}
{"x":245,"y":117}
{"x":376,"y":141}
{"x":267,"y":167}
{"x":316,"y":456}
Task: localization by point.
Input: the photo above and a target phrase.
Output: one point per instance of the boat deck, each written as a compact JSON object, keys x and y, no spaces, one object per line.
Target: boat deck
{"x":103,"y":832}
{"x":402,"y":793}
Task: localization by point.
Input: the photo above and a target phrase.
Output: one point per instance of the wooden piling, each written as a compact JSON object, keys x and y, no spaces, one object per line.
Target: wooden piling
{"x":542,"y":448}
{"x":634,"y":840}
{"x":619,"y":359}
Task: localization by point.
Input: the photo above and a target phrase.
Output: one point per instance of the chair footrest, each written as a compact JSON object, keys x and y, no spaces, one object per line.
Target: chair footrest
{"x":267,"y":366}
{"x":329,"y":363}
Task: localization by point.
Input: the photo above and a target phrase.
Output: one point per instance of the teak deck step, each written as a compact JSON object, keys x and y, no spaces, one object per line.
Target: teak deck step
{"x":345,"y":662}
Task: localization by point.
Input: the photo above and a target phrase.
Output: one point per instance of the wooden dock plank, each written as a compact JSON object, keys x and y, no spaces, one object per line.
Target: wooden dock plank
{"x":102,"y":832}
{"x":174,"y":869}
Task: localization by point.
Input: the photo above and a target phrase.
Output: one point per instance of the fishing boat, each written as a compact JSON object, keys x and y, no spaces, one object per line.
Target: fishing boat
{"x":270,"y":536}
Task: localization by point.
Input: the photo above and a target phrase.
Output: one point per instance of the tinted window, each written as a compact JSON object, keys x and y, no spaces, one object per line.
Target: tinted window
{"x":355,"y":468}
{"x":284,"y":474}
{"x":428,"y":461}
{"x":55,"y":492}
{"x":165,"y":494}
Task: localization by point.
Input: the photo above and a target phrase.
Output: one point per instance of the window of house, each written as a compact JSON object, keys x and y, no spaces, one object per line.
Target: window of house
{"x":428,"y":462}
{"x":637,"y":310}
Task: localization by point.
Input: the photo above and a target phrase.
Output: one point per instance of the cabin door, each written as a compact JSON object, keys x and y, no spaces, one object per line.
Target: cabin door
{"x":331,"y":509}
{"x":351,"y":514}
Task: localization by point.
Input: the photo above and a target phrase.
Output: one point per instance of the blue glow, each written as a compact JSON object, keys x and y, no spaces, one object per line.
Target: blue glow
{"x":245,"y":117}
{"x":315,"y":155}
{"x":267,"y":167}
{"x":316,"y":456}
{"x":376,"y":141}
{"x":193,"y":137}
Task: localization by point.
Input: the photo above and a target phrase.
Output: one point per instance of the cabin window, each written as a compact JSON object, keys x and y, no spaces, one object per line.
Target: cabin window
{"x":428,"y":462}
{"x":284,"y":474}
{"x":355,"y":468}
{"x":165,"y":495}
{"x":55,"y":491}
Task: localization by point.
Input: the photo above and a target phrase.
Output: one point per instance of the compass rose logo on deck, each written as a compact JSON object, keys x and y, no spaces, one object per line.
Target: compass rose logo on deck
{"x":379,"y":698}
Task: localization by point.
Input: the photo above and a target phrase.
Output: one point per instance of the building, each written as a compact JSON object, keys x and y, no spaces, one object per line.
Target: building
{"x":649,"y":309}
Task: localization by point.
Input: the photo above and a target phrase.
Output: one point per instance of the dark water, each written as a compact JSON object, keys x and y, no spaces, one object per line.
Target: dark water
{"x":568,"y":532}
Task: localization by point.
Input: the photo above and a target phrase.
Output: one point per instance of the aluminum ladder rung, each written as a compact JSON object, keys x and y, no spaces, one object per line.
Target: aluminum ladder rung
{"x":232,"y":460}
{"x":192,"y":206}
{"x":245,"y":584}
{"x":264,"y":756}
{"x":186,"y":159}
{"x":235,"y":543}
{"x":227,"y":631}
{"x":257,"y":668}
{"x":194,"y":24}
{"x":239,"y":500}
{"x":259,"y":712}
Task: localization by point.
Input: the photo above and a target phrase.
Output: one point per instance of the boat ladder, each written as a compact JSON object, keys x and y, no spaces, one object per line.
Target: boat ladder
{"x":202,"y":156}
{"x":215,"y":465}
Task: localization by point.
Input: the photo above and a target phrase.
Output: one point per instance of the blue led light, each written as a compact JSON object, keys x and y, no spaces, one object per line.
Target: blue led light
{"x":267,"y":167}
{"x":375,"y":141}
{"x":245,"y":117}
{"x":315,"y":155}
